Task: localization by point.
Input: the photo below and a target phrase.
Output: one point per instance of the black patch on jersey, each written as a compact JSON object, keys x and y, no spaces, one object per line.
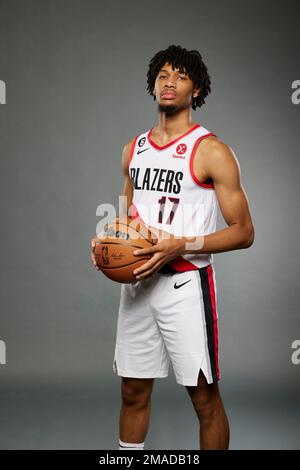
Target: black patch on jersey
{"x":141,"y":141}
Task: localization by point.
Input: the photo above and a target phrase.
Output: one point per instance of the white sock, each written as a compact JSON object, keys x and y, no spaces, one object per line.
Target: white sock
{"x":130,"y":446}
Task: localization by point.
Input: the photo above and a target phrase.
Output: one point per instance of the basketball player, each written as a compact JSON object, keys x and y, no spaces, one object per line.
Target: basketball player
{"x":175,"y":175}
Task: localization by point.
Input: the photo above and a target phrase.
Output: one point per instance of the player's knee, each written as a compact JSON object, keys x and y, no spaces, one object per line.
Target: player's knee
{"x":135,"y":393}
{"x":206,"y":405}
{"x":205,"y":398}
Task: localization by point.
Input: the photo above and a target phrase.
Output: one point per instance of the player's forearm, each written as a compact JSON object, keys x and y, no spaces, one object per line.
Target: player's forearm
{"x":230,"y":238}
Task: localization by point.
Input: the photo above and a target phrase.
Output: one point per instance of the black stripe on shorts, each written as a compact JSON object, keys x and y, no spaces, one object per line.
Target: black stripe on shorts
{"x":208,"y":310}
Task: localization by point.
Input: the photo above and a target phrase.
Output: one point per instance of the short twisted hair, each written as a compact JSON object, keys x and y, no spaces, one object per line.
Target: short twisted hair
{"x":186,"y":61}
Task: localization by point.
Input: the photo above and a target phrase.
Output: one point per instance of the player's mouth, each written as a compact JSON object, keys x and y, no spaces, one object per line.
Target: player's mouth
{"x":168,"y":95}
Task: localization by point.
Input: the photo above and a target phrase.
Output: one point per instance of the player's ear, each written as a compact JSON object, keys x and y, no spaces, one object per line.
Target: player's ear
{"x":196,"y":92}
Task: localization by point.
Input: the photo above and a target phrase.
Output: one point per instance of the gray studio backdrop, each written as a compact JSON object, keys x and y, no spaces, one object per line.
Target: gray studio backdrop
{"x":75,"y":75}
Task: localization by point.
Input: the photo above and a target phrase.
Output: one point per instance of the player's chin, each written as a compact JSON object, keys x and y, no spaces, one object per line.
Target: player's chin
{"x":170,"y":104}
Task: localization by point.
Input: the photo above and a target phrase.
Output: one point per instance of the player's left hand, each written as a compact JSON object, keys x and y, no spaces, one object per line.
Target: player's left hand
{"x":167,"y":248}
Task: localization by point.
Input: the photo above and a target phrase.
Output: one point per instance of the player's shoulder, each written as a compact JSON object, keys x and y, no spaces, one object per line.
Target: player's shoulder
{"x":128,"y":147}
{"x":217,"y":158}
{"x":211,"y":143}
{"x":213,"y":148}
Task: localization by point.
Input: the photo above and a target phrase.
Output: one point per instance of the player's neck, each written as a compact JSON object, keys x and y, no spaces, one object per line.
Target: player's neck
{"x":169,"y":126}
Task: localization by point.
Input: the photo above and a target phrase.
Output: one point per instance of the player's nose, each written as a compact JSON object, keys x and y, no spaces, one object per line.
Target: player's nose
{"x":170,"y":83}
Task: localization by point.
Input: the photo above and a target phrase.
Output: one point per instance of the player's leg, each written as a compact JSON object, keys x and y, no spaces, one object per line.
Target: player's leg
{"x":140,"y":357}
{"x":188,"y":321}
{"x":135,"y":409}
{"x":214,"y":426}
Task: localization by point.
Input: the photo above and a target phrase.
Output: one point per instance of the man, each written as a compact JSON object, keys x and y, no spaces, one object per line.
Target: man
{"x":175,"y":174}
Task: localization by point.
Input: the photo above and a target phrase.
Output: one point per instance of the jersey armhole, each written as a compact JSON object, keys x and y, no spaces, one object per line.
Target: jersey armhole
{"x":208,"y":183}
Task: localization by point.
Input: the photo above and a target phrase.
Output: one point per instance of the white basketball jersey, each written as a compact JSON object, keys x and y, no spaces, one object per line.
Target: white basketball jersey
{"x":167,"y":193}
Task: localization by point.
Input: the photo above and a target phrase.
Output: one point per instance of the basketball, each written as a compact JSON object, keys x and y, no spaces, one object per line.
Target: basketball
{"x":115,"y":246}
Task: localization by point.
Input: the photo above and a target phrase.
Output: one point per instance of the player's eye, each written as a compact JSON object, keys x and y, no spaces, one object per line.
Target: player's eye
{"x":163,"y":76}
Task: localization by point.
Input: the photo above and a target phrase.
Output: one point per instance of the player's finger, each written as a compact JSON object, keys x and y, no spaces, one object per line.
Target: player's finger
{"x":93,"y":258}
{"x":151,"y":271}
{"x":148,"y":265}
{"x":96,"y":266}
{"x":146,"y":251}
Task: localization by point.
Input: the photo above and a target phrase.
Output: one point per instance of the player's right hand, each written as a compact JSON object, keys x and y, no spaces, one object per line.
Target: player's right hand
{"x":93,"y":243}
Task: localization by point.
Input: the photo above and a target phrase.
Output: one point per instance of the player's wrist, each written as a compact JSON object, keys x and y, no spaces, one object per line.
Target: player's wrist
{"x":193,"y":244}
{"x":182,"y":245}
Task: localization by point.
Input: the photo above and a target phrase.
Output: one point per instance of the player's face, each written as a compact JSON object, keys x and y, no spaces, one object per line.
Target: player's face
{"x":173,"y":90}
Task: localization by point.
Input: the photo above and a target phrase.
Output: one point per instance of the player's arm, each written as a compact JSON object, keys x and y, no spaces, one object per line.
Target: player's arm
{"x":221,"y":164}
{"x":128,"y":187}
{"x":127,"y":192}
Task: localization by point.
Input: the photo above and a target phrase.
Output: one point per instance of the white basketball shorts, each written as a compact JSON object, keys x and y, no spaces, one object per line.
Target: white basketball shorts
{"x":169,"y":317}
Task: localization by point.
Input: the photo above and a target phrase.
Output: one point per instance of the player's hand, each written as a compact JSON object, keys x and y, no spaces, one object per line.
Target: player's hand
{"x":167,"y":248}
{"x":93,"y":243}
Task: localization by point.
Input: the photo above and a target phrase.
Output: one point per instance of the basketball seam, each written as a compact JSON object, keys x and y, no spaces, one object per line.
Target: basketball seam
{"x":124,"y":265}
{"x":121,"y":223}
{"x":114,"y":243}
